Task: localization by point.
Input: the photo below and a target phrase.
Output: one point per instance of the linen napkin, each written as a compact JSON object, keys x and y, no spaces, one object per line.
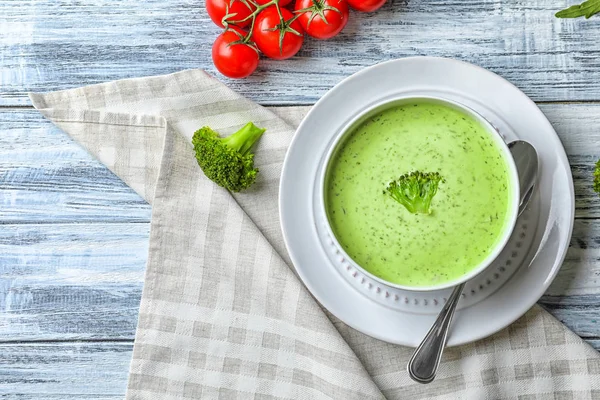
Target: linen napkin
{"x":222,"y":314}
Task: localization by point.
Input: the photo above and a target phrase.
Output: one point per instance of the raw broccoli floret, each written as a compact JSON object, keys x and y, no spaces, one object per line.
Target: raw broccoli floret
{"x":228,"y":161}
{"x":415,"y":190}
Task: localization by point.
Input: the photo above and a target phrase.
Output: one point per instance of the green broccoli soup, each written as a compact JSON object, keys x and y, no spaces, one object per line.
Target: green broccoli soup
{"x":419,"y":194}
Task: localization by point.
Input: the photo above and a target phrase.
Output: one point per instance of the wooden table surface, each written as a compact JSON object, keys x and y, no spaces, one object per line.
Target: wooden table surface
{"x":73,"y":237}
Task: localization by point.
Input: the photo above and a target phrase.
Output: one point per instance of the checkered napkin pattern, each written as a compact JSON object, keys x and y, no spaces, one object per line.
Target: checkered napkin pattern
{"x":222,"y":315}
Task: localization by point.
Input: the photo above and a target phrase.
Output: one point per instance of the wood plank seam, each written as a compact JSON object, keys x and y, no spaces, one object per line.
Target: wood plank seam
{"x":55,"y":341}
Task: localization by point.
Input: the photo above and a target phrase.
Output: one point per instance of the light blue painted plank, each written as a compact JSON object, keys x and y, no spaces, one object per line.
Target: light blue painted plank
{"x":580,"y":272}
{"x":56,"y":371}
{"x":45,"y":46}
{"x":71,"y":281}
{"x":46,"y":177}
{"x":578,"y":126}
{"x":580,"y":313}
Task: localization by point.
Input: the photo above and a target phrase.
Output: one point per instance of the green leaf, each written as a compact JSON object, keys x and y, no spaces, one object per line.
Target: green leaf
{"x":585,"y":9}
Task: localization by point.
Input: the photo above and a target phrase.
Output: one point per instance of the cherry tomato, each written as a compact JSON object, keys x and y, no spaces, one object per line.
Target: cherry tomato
{"x":234,"y":60}
{"x":322,"y":19}
{"x":236,"y":9}
{"x":282,"y":3}
{"x":268,"y":40}
{"x":366,"y":5}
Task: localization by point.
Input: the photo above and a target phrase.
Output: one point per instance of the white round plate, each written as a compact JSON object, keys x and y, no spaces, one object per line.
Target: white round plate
{"x":492,"y":300}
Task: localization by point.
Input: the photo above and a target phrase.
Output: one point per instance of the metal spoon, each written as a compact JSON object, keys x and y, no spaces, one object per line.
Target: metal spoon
{"x":424,"y":362}
{"x":526,"y":160}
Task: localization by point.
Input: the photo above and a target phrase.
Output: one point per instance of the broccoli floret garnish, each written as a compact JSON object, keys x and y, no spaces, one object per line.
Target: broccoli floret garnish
{"x":597,"y":178}
{"x":415,"y":190}
{"x":228,"y":161}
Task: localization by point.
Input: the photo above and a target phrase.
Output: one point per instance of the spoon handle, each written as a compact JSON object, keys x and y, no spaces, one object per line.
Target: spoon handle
{"x":425,"y":360}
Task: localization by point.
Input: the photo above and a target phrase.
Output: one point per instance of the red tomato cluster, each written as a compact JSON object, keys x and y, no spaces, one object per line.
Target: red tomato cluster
{"x":274,"y":28}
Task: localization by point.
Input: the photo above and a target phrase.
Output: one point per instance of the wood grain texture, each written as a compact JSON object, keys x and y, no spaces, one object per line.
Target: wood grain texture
{"x":580,"y":313}
{"x":45,"y":177}
{"x":56,"y":44}
{"x":71,"y":281}
{"x":578,"y":126}
{"x":56,"y":371}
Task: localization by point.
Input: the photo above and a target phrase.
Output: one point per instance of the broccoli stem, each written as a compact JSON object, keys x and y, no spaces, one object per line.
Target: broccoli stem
{"x":243,"y":140}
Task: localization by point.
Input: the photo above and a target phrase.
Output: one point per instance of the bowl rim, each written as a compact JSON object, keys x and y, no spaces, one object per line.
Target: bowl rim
{"x":492,"y":131}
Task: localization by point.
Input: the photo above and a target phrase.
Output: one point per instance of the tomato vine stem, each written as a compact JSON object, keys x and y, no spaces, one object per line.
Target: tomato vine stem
{"x":258,"y":9}
{"x":318,"y":8}
{"x":283,"y":27}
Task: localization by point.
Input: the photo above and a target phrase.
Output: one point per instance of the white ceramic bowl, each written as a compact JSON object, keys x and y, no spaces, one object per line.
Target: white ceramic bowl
{"x":513,"y":175}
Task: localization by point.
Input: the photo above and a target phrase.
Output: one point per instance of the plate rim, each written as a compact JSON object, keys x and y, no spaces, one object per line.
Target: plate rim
{"x":526,"y":305}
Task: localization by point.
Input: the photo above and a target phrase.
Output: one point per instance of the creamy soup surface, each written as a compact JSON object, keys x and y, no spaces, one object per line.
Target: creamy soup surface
{"x":470,"y":211}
